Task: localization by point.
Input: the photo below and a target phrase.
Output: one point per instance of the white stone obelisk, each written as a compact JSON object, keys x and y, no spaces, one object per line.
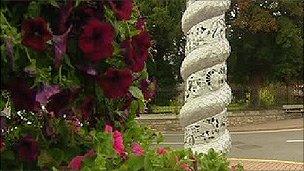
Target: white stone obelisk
{"x":207,"y":95}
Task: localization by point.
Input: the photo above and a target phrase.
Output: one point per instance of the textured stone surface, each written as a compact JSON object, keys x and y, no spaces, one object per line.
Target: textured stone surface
{"x":204,"y":114}
{"x":171,"y":123}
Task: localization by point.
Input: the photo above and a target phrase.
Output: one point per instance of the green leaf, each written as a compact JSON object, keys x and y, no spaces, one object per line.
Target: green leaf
{"x":8,"y":155}
{"x":54,"y":3}
{"x":141,"y":105}
{"x":100,"y":161}
{"x":45,"y":159}
{"x":136,"y":92}
{"x":57,"y":154}
{"x":54,"y":169}
{"x":148,"y":163}
{"x":159,"y":138}
{"x":134,"y":108}
{"x":33,"y":9}
{"x":144,"y":74}
{"x":135,"y":163}
{"x":68,"y":61}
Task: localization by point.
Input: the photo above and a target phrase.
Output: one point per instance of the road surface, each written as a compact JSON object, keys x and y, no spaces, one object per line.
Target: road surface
{"x":272,"y":145}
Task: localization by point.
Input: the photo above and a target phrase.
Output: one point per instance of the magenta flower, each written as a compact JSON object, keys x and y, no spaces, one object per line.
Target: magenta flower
{"x":122,"y":8}
{"x":186,"y":167}
{"x":28,"y":149}
{"x":48,"y":91}
{"x":76,"y":163}
{"x":35,"y":33}
{"x":162,"y":151}
{"x":115,"y":83}
{"x":90,"y":153}
{"x":96,"y":40}
{"x":118,"y":143}
{"x":137,"y":149}
{"x":108,"y":129}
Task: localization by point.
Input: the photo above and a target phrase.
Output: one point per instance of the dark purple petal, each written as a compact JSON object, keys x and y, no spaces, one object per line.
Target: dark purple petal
{"x":122,"y":8}
{"x":148,"y":88}
{"x":10,"y":52}
{"x":28,"y":149}
{"x":65,"y":12}
{"x":59,"y":103}
{"x":23,"y":96}
{"x":96,"y":40}
{"x":35,"y":33}
{"x":3,"y":125}
{"x":60,"y":46}
{"x":87,"y":107}
{"x":115,"y":83}
{"x":135,"y":51}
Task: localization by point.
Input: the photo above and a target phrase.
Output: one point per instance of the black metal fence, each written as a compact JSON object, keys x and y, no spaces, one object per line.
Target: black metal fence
{"x":270,"y":96}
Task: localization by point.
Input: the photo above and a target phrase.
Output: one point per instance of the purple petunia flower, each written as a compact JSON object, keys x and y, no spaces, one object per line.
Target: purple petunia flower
{"x":48,"y":91}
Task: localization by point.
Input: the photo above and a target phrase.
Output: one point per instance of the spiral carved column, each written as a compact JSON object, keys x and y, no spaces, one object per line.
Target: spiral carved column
{"x":204,"y":114}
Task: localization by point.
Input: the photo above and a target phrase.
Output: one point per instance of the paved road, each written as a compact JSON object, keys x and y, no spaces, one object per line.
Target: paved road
{"x":274,"y":145}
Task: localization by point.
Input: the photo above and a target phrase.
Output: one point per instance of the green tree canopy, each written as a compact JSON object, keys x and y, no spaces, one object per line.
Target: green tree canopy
{"x":267,"y":42}
{"x":164,"y":23}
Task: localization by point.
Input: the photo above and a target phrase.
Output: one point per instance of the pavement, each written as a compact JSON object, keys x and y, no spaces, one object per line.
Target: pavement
{"x":273,"y":125}
{"x":266,"y":165}
{"x":276,"y":145}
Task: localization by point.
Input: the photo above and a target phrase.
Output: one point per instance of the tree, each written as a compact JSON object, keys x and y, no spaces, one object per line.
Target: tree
{"x":267,"y":43}
{"x":164,"y":23}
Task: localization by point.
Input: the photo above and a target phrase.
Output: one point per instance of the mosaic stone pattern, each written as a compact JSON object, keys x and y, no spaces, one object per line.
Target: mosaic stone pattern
{"x":204,"y":70}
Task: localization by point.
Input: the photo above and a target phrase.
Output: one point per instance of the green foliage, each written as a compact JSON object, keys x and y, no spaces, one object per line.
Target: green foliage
{"x":164,"y":23}
{"x":277,"y":53}
{"x":266,"y":38}
{"x":213,"y":161}
{"x":267,"y":96}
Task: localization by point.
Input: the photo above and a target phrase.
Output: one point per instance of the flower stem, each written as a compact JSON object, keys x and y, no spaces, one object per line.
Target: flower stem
{"x":60,"y":76}
{"x":27,"y":54}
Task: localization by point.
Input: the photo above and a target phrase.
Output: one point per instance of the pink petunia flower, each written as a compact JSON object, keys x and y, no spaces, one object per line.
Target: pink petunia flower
{"x":118,"y":143}
{"x":186,"y":167}
{"x":137,"y":149}
{"x":47,"y":91}
{"x":162,"y":151}
{"x":108,"y":129}
{"x":76,"y":163}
